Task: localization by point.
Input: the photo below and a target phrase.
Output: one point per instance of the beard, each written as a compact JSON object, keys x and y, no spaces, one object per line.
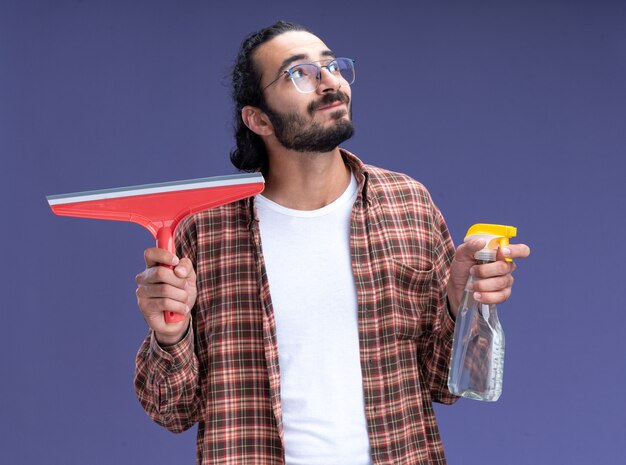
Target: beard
{"x":295,"y":132}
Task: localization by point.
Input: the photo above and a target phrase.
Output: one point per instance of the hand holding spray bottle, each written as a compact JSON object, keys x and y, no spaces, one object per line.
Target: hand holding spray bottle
{"x":477,"y":361}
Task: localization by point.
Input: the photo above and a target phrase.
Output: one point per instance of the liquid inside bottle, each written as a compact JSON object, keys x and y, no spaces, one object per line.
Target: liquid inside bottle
{"x":477,"y":363}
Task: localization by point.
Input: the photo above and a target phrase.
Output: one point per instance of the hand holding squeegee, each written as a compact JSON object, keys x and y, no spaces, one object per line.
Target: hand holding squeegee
{"x":158,"y":207}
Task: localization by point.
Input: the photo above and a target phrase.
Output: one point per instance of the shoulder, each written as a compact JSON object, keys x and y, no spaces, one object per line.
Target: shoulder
{"x":216,"y":223}
{"x":217,"y":218}
{"x":414,"y":228}
{"x":391,"y":187}
{"x":392,"y":190}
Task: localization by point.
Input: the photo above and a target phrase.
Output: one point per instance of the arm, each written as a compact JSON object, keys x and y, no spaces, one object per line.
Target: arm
{"x":166,"y":371}
{"x":493,"y":287}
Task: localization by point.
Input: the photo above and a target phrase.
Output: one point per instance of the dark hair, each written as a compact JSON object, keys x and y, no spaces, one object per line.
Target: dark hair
{"x":250,"y":153}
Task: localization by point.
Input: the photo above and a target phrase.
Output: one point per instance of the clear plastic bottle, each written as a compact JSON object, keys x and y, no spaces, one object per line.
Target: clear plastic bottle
{"x":477,"y":362}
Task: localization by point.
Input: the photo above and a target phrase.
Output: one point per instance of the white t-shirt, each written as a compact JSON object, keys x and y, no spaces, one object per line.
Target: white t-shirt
{"x":307,"y":257}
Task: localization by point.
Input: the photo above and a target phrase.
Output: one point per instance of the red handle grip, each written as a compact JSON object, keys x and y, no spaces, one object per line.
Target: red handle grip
{"x":173,"y":317}
{"x":165,"y":240}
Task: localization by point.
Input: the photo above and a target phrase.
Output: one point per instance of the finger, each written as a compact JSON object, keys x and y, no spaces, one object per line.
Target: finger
{"x":162,"y":291}
{"x":513,"y":251}
{"x":154,"y":307}
{"x":162,"y":275}
{"x":496,"y":284}
{"x":493,"y":297}
{"x":156,"y":256}
{"x":490,"y":270}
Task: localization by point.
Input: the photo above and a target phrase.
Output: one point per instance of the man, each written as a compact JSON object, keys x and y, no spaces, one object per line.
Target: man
{"x":319,"y":315}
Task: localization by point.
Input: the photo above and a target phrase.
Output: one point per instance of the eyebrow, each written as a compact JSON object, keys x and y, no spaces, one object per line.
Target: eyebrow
{"x":299,"y":57}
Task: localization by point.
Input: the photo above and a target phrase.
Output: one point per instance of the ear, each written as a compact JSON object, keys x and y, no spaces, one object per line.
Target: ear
{"x":256,"y":120}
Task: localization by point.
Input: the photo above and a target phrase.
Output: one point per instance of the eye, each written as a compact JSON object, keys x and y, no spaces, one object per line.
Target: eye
{"x":300,"y":71}
{"x":333,"y":67}
{"x":304,"y":71}
{"x":296,"y":72}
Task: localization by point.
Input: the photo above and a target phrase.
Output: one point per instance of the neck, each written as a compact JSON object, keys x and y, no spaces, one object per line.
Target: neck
{"x":306,"y":181}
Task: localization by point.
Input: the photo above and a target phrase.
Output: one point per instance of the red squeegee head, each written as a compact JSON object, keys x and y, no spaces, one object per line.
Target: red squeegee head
{"x":158,"y":207}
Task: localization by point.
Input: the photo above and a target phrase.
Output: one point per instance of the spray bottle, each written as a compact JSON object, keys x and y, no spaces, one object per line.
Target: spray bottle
{"x":477,"y":361}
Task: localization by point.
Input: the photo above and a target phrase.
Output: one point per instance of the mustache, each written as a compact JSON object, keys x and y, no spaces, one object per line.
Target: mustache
{"x":328,"y":99}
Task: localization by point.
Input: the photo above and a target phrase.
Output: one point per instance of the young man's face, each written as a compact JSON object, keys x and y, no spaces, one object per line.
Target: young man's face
{"x":317,"y":121}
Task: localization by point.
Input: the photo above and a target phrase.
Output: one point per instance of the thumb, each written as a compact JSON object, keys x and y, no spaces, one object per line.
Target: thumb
{"x":185,"y":271}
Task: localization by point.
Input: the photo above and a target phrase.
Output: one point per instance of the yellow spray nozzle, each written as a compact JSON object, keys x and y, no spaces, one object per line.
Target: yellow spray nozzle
{"x":496,"y":235}
{"x":499,"y":230}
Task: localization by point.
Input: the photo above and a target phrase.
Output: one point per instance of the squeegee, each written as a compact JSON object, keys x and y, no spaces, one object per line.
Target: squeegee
{"x":158,"y":207}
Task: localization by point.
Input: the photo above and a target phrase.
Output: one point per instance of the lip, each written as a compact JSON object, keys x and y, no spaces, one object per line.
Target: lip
{"x":332,"y":106}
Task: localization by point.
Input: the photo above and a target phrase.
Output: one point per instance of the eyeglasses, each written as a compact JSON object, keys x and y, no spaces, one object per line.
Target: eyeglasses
{"x":307,"y":76}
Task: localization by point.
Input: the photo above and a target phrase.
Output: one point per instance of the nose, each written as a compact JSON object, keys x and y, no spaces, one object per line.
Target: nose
{"x":328,"y":82}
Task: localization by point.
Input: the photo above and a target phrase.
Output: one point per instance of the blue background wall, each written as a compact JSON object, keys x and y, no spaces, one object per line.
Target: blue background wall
{"x":509,"y":112}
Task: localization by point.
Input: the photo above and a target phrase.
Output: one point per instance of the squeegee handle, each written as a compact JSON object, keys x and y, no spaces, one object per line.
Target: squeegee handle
{"x":165,"y":240}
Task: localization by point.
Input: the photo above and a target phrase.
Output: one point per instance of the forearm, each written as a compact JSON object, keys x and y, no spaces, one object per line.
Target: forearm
{"x":166,"y":382}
